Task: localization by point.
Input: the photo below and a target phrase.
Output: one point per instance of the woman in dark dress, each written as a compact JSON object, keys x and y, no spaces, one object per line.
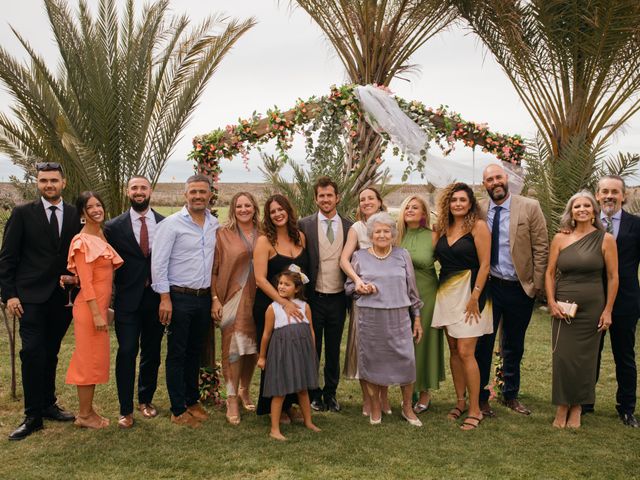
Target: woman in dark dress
{"x":577,"y":260}
{"x":280,"y":245}
{"x":462,"y":309}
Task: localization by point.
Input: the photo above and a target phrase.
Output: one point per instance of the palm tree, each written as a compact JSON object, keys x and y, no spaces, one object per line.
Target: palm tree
{"x":575,"y":65}
{"x":125,"y":88}
{"x":375,"y":40}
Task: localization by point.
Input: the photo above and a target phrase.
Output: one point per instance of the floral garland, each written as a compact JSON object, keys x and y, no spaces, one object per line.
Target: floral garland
{"x":341,"y":109}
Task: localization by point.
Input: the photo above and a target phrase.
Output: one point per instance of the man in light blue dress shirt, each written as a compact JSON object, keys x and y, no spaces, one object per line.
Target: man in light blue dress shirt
{"x":181,"y":265}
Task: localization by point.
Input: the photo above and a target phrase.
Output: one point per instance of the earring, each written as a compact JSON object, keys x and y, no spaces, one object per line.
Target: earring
{"x":83,"y":220}
{"x":573,"y":223}
{"x":593,"y":220}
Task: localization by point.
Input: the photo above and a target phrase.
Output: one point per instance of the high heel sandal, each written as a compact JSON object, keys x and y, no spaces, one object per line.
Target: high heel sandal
{"x":232,"y":419}
{"x":247,"y":405}
{"x":82,"y":422}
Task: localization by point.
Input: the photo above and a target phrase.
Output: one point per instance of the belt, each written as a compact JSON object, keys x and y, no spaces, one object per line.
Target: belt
{"x":196,"y":292}
{"x":503,"y":282}
{"x":320,"y":294}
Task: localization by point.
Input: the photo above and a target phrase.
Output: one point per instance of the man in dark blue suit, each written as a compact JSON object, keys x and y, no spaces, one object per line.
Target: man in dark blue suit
{"x":136,"y":304}
{"x":626,"y":310}
{"x":33,"y":256}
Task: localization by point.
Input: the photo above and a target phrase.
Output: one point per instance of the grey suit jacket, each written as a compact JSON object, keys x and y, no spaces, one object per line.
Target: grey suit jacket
{"x":528,"y":241}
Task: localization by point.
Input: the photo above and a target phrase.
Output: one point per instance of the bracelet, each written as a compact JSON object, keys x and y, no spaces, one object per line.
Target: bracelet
{"x":215,"y":297}
{"x":477,"y":287}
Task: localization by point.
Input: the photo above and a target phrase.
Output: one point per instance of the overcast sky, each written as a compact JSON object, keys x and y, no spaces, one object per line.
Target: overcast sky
{"x":285,"y":57}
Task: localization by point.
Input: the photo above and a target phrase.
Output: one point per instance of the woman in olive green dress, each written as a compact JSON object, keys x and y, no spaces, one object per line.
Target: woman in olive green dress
{"x":415,"y":235}
{"x":577,"y":259}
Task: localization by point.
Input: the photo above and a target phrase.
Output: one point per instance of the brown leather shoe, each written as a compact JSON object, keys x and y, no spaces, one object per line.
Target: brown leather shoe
{"x":125,"y":421}
{"x":486,"y":409}
{"x":516,"y":406}
{"x":198,"y":412}
{"x":185,"y":420}
{"x":148,"y":410}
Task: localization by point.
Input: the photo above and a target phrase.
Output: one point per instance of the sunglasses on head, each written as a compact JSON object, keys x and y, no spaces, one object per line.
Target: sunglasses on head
{"x":48,"y":167}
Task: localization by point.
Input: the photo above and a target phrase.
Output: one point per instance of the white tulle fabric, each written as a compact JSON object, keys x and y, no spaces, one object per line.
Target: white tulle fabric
{"x":385,"y":116}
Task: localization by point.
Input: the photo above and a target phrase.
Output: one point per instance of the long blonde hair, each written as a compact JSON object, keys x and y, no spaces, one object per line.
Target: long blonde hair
{"x":232,"y":221}
{"x":401,"y":224}
{"x":445,"y":218}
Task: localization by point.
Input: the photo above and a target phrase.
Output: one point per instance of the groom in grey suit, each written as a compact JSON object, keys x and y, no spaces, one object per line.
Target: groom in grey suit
{"x":326,"y":234}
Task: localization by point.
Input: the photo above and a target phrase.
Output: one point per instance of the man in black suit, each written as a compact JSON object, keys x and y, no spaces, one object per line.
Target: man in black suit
{"x":326,"y":234}
{"x":32,"y":259}
{"x":136,"y":304}
{"x":626,"y":310}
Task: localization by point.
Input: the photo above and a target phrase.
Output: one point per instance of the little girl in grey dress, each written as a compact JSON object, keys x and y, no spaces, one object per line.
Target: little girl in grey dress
{"x":287,"y":352}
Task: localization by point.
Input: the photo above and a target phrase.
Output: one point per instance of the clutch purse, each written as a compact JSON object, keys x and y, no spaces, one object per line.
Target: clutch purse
{"x":568,"y":308}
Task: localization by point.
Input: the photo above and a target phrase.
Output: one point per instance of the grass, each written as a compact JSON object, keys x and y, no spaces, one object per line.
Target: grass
{"x":508,"y":446}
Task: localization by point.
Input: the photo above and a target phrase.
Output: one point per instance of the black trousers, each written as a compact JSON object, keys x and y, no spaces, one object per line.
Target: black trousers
{"x":139,"y":331}
{"x":42,"y":328}
{"x":189,"y":323}
{"x":514,"y":307}
{"x":623,"y":338}
{"x":328,"y":312}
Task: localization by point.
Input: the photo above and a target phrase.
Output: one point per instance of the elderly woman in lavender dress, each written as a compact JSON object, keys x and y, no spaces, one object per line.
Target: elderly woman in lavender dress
{"x":385,"y":298}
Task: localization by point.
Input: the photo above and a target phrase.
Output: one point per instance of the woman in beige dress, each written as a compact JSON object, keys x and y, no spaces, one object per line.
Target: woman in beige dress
{"x":233,"y":288}
{"x":370,"y":202}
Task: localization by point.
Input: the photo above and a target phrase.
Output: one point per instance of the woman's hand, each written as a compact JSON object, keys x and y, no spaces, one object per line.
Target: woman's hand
{"x":472,"y":311}
{"x":417,"y":330}
{"x":261,"y":363}
{"x":556,"y":311}
{"x":293,"y":310}
{"x":216,"y":311}
{"x":605,"y":321}
{"x":100,"y":323}
{"x":366,"y":289}
{"x":71,"y":280}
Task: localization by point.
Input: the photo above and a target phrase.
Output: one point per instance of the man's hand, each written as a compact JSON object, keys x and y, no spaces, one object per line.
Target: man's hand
{"x":166,"y":309}
{"x":15,"y":307}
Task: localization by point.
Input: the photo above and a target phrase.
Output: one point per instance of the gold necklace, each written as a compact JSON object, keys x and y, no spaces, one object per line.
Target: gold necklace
{"x":381,"y":257}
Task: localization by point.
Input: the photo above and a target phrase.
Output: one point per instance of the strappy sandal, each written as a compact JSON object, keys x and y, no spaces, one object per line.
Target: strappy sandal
{"x":469,"y":425}
{"x":455,"y":413}
{"x":419,"y":408}
{"x":248,"y":405}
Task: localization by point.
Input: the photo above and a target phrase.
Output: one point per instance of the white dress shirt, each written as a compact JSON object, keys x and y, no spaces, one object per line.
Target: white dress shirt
{"x":150,"y":219}
{"x":59,"y":212}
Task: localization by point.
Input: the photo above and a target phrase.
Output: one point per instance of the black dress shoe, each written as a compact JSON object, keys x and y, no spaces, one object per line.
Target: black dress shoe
{"x":54,"y":412}
{"x":26,"y":428}
{"x":587,"y":408}
{"x":317,"y":405}
{"x":629,"y":420}
{"x":332,"y":404}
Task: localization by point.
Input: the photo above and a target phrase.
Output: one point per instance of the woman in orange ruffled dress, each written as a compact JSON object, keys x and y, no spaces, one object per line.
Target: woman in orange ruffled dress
{"x":93,"y":260}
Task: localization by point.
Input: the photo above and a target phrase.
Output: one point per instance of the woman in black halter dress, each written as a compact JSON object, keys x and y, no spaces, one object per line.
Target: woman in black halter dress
{"x":280,"y":246}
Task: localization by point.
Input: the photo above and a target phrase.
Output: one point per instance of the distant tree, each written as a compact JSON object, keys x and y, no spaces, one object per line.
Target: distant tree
{"x":124,"y":90}
{"x":575,"y":65}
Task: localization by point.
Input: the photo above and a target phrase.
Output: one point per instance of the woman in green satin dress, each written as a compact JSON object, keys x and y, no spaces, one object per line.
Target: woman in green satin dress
{"x":415,"y":235}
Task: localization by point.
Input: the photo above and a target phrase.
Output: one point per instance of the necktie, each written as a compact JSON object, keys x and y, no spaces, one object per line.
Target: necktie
{"x":609,"y":224}
{"x":53,"y":222}
{"x":330,"y":236}
{"x":144,"y":237}
{"x":495,"y":236}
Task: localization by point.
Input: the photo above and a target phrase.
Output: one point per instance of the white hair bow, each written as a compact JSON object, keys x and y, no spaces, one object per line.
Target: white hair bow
{"x":296,"y":269}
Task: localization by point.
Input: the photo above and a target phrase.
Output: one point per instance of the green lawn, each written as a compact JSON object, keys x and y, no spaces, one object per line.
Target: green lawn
{"x":508,"y":446}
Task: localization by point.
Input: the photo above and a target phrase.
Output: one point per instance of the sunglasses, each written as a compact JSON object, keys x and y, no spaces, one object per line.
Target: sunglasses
{"x":48,"y":167}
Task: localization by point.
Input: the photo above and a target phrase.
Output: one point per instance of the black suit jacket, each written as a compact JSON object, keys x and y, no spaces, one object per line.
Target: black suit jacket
{"x":628,"y":298}
{"x":309,"y":225}
{"x":130,"y":278}
{"x":31,"y":258}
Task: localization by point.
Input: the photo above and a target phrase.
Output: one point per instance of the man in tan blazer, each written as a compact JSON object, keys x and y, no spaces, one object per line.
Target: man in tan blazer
{"x":519,"y":250}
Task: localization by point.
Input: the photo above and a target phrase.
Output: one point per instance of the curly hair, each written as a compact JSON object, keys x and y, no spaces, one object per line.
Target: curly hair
{"x":445,"y":217}
{"x":269,"y":229}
